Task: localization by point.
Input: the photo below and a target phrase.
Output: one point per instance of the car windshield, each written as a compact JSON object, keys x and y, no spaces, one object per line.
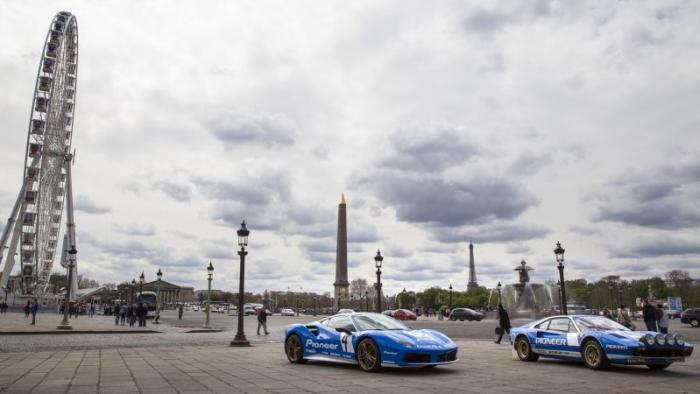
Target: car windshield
{"x":598,"y":323}
{"x":376,"y":321}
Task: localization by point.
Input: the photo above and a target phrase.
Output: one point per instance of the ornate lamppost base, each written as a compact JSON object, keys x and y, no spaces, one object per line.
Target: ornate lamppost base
{"x":64,"y":327}
{"x":240,"y":341}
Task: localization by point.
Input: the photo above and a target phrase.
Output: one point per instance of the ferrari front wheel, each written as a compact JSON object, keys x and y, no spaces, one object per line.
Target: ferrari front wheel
{"x":368,"y":356}
{"x":593,"y":356}
{"x":295,"y":353}
{"x":524,"y":350}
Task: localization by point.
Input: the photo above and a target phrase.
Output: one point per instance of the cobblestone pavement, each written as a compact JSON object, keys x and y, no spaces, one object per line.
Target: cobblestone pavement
{"x":484,"y":367}
{"x":17,"y":322}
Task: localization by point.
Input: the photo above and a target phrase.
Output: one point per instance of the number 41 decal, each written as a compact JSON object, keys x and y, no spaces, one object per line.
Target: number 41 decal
{"x":346,"y":343}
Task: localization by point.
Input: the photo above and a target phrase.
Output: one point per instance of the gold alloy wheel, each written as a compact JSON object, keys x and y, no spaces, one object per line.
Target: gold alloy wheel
{"x":592,"y":355}
{"x":294,"y":348}
{"x":522,"y":348}
{"x":367,"y":355}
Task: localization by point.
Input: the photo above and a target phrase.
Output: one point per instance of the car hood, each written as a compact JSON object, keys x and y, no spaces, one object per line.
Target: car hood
{"x":420,"y":338}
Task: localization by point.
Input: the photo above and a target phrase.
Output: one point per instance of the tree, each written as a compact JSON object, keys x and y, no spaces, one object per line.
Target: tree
{"x":358,"y":287}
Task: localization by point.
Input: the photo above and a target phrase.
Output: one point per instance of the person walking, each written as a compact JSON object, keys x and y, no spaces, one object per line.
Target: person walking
{"x":503,"y":323}
{"x":131,"y":314}
{"x":27,"y":309}
{"x":262,"y":320}
{"x":180,"y":311}
{"x":139,"y":313}
{"x":606,"y":313}
{"x":624,"y":318}
{"x":116,"y":315}
{"x":122,"y":314}
{"x":35,"y":309}
{"x":662,"y":319}
{"x":649,"y":315}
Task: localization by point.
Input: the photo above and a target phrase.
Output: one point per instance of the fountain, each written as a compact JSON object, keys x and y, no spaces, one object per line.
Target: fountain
{"x":525,"y":299}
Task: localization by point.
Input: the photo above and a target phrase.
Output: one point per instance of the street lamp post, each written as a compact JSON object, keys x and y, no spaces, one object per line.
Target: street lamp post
{"x":611,"y":286}
{"x":366,"y":300}
{"x":210,"y":272}
{"x":378,"y":263}
{"x":315,"y":304}
{"x":69,"y":278}
{"x":159,"y":275}
{"x":450,"y":303}
{"x":240,"y":339}
{"x":132,"y":299}
{"x":498,"y":288}
{"x":142,"y":279}
{"x":559,"y":254}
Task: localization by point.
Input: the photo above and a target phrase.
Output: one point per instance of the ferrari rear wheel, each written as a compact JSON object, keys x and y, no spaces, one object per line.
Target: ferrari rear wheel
{"x":524,"y":350}
{"x":295,"y":353}
{"x":368,"y":356}
{"x":593,"y":356}
{"x":656,"y":367}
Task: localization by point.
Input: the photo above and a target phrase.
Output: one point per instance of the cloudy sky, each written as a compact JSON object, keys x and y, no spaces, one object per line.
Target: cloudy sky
{"x":511,"y":124}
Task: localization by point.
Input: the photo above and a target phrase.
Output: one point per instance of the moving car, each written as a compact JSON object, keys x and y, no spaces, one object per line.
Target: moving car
{"x":287,"y":312}
{"x":403,"y":314}
{"x":598,"y":341}
{"x":370,"y":340}
{"x":463,"y":314}
{"x":691,"y":316}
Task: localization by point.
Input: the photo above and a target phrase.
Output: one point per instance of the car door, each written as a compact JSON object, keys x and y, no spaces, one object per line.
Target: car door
{"x":341,"y":344}
{"x":558,"y":339}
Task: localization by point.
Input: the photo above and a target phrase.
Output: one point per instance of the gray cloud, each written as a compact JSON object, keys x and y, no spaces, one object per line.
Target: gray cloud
{"x":656,"y":247}
{"x":176,"y":191}
{"x":489,"y":21}
{"x":529,"y":163}
{"x":85,"y":204}
{"x":492,"y":233}
{"x":135,"y":229}
{"x":663,"y":198}
{"x":263,"y":129}
{"x":442,"y":147}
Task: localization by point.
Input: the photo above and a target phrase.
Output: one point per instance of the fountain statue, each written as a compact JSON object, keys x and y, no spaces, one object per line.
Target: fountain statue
{"x":526,"y":299}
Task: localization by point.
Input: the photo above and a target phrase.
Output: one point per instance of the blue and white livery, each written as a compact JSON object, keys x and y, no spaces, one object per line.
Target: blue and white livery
{"x":598,"y":342}
{"x":370,"y":340}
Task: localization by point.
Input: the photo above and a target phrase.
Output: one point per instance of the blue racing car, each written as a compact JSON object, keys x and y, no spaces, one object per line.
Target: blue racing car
{"x":598,"y":341}
{"x":371,"y":340}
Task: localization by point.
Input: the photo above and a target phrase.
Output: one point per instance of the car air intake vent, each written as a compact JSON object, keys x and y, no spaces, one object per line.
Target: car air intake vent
{"x":451,"y":356}
{"x":417,"y":358}
{"x":313,"y":329}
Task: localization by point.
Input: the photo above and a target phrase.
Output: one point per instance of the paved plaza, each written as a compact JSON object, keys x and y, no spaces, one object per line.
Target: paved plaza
{"x":483,"y":367}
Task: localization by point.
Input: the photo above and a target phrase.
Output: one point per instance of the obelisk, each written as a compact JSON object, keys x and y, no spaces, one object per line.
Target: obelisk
{"x":472,"y":269}
{"x":341,"y":258}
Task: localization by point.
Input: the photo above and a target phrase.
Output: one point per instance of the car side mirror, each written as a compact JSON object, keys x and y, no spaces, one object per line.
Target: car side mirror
{"x":343,"y":329}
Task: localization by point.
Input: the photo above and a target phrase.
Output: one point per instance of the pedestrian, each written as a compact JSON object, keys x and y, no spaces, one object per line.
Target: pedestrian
{"x":624,"y":318}
{"x":503,"y":323}
{"x":122,"y":314}
{"x":27,"y":309}
{"x":649,"y":315}
{"x":606,"y":313}
{"x":35,"y":309}
{"x":180,"y":311}
{"x":116,"y":315}
{"x":130,"y":312}
{"x":92,"y":309}
{"x":262,"y":320}
{"x":662,"y":319}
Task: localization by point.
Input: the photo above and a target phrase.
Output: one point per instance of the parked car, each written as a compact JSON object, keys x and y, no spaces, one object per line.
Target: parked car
{"x":345,"y":311}
{"x":287,"y":312}
{"x":673,"y":314}
{"x":404,"y":314}
{"x":370,"y":340}
{"x":691,"y":316}
{"x":195,"y":308}
{"x":463,"y":314}
{"x":389,"y":312}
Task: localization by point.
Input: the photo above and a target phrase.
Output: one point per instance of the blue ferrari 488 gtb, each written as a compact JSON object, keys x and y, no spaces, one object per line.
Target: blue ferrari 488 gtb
{"x":598,"y":342}
{"x":371,"y":340}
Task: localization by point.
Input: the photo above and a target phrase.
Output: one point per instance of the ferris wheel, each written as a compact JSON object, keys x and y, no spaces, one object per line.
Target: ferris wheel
{"x":35,"y":222}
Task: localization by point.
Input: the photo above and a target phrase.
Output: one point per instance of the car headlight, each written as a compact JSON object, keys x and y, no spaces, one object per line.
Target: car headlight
{"x":402,"y":341}
{"x":660,"y":339}
{"x":679,"y":339}
{"x":671,"y":340}
{"x":648,"y":339}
